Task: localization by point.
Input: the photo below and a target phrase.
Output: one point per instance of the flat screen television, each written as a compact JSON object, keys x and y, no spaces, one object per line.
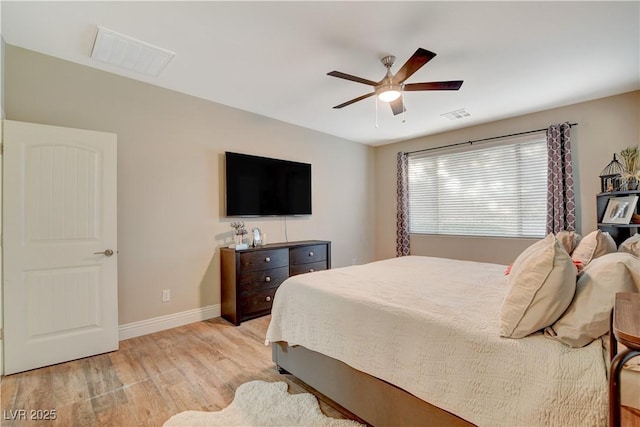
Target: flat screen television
{"x":261,"y":186}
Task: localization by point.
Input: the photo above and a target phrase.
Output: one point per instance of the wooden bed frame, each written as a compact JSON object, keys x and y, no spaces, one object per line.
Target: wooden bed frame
{"x":375,"y":401}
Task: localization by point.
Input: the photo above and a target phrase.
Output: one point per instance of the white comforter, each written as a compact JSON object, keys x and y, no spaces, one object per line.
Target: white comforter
{"x":430,"y":326}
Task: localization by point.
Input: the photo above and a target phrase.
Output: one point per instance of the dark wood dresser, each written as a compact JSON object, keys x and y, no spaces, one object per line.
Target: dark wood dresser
{"x":250,"y":277}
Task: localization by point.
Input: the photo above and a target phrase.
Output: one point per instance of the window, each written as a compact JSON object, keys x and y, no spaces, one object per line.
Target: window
{"x":486,"y":191}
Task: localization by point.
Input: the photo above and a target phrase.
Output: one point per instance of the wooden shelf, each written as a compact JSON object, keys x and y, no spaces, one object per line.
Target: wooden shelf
{"x":619,"y":232}
{"x":619,"y":193}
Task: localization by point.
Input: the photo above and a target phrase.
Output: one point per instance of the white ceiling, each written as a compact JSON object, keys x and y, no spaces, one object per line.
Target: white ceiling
{"x":271,"y":58}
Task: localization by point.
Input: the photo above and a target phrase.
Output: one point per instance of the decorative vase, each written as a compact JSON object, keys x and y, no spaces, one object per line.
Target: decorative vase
{"x":632,"y":184}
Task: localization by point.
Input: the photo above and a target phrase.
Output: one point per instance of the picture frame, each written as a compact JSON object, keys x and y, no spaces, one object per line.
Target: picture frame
{"x":257,"y":237}
{"x":620,"y":210}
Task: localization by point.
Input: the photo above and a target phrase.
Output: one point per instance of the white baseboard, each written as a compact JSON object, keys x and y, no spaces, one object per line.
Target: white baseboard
{"x":157,"y":324}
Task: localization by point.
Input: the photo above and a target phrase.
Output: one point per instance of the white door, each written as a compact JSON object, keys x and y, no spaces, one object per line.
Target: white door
{"x":60,"y":245}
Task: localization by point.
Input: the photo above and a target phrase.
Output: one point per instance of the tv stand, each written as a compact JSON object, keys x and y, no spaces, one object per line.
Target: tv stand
{"x":250,"y":277}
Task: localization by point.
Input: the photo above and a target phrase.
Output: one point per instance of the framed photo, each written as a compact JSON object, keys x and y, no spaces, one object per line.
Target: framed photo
{"x":620,"y":210}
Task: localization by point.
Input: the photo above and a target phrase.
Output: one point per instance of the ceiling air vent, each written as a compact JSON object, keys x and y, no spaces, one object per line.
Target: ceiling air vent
{"x":456,"y":114}
{"x":126,"y":52}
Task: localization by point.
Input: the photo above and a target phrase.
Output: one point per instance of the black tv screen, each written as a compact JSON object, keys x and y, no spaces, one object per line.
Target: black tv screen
{"x":261,"y":186}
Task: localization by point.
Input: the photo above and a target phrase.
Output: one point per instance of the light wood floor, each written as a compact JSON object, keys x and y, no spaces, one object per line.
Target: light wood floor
{"x":194,"y":367}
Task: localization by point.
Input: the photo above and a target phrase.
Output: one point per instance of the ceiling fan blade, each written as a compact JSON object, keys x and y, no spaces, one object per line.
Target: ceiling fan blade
{"x":450,"y":85}
{"x":360,"y":98}
{"x":397,"y":106}
{"x":413,"y":64}
{"x":345,"y":76}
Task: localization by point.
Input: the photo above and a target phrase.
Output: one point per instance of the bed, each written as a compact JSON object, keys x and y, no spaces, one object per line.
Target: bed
{"x":414,"y":340}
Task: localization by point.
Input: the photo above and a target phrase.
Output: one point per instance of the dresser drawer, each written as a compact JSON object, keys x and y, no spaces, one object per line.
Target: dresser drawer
{"x":307,"y":254}
{"x":308,"y":267}
{"x":263,"y":279}
{"x":264,"y":260}
{"x":253,"y":302}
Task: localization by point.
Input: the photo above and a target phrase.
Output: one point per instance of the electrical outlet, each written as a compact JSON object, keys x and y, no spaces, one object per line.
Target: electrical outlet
{"x":166,"y":295}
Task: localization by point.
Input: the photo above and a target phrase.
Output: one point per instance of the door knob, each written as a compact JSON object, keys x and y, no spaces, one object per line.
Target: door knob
{"x":108,"y":252}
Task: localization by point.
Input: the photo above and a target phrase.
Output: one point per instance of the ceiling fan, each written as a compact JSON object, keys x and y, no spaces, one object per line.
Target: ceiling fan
{"x":390,"y":88}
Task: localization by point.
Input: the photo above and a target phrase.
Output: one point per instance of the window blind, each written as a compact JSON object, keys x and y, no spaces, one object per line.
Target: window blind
{"x":489,"y":191}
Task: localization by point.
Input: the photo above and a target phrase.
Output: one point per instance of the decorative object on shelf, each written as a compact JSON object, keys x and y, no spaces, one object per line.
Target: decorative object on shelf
{"x":635,"y":219}
{"x":620,"y":210}
{"x":631,"y":173}
{"x":257,"y":237}
{"x":239,"y":233}
{"x":611,"y":176}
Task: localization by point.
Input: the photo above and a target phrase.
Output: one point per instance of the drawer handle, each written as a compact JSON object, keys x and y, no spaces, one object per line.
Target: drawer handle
{"x":311,"y":253}
{"x":311,"y":270}
{"x":267,"y":259}
{"x":268,"y":299}
{"x":267,"y":279}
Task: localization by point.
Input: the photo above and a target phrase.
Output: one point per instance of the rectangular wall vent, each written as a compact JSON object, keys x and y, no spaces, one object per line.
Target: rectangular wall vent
{"x":126,"y":52}
{"x":456,"y":114}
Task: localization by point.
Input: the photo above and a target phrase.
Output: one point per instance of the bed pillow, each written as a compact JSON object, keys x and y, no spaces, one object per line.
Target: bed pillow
{"x":594,"y":245}
{"x":631,"y":245}
{"x":542,"y":283}
{"x":588,"y":316}
{"x":568,"y":239}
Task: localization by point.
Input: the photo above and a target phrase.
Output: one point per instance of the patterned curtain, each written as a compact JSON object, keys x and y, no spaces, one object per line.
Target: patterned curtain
{"x":561,"y":204}
{"x":402,"y":217}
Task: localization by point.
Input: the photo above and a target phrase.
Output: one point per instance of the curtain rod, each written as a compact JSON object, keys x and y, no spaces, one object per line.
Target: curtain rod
{"x":481,"y":140}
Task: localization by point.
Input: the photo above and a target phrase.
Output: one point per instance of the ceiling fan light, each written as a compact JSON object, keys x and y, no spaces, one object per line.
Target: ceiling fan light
{"x":388,"y":93}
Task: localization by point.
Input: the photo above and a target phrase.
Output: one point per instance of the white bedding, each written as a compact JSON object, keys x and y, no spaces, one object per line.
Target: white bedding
{"x":430,"y":326}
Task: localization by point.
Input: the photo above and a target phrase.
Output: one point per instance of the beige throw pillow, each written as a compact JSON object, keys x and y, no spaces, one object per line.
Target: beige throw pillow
{"x":594,"y":245}
{"x":568,"y":239}
{"x":588,"y":316}
{"x":631,"y":245}
{"x":542,"y":283}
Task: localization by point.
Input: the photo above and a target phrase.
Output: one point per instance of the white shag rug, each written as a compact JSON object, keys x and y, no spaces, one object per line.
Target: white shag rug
{"x":260,"y":403}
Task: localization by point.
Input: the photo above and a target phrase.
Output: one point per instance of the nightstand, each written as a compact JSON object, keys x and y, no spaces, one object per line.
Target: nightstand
{"x":625,"y":329}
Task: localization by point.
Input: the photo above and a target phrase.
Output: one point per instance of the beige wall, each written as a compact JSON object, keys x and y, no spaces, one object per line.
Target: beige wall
{"x":605,"y":126}
{"x":1,"y":117}
{"x":2,"y":44}
{"x":170,"y":183}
